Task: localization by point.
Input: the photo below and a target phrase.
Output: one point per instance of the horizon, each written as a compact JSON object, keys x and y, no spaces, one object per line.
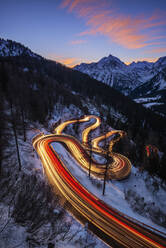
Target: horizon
{"x":84,"y":31}
{"x":83,"y":149}
{"x":126,"y":63}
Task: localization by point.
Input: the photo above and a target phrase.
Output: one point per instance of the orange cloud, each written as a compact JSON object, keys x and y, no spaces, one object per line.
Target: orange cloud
{"x":77,"y":42}
{"x":65,"y":3}
{"x":157,"y":50}
{"x":72,"y":4}
{"x":125,"y":30}
{"x":70,"y":62}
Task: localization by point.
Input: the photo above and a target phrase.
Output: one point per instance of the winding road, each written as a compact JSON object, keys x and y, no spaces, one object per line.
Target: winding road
{"x":118,"y":169}
{"x":121,"y":228}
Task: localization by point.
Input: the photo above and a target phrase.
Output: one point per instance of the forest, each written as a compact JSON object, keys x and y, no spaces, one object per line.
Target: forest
{"x":33,"y":86}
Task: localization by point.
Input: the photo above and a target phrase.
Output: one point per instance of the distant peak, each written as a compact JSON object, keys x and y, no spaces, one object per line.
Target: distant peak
{"x":111,"y":61}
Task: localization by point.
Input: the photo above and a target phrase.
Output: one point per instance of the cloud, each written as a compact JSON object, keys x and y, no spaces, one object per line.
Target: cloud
{"x":157,"y":50}
{"x":79,"y":4}
{"x":65,"y":3}
{"x":128,"y":31}
{"x":77,"y":42}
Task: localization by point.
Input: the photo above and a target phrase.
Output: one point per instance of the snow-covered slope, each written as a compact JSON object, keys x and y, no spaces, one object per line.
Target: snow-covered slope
{"x":143,"y":206}
{"x":154,"y":90}
{"x":23,"y":193}
{"x":12,"y":48}
{"x":114,"y":72}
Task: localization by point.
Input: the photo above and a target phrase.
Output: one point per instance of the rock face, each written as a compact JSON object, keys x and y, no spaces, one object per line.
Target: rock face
{"x":141,"y":79}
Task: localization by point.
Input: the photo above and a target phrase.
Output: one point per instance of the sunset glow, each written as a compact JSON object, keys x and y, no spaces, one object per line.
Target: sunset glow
{"x":70,"y":62}
{"x":141,"y":59}
{"x":79,"y":31}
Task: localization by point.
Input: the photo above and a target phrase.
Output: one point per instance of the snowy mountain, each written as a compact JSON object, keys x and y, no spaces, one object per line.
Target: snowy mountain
{"x":114,"y":72}
{"x":141,"y":79}
{"x":42,"y":96}
{"x":10,"y":48}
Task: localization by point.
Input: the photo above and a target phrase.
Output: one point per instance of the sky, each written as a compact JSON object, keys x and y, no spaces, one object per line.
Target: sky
{"x":76,"y":31}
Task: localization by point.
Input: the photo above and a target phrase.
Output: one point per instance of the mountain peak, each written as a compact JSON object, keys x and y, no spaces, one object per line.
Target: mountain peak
{"x":111,"y":62}
{"x":9,"y":48}
{"x":125,"y":78}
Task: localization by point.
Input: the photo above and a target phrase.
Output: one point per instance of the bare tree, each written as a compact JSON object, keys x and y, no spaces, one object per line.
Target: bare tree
{"x":15,"y":134}
{"x":23,"y":124}
{"x":106,"y":169}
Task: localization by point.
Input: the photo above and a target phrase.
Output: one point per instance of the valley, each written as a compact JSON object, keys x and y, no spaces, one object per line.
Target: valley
{"x":101,"y":125}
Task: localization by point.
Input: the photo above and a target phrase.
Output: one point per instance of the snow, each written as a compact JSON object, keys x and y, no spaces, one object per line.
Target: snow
{"x":126,"y":78}
{"x":100,"y":159}
{"x":112,"y":71}
{"x":91,"y":107}
{"x":116,"y":190}
{"x":162,"y":84}
{"x":160,"y":62}
{"x":18,"y":233}
{"x":78,"y":237}
{"x":146,"y":76}
{"x":151,"y":104}
{"x":12,"y":48}
{"x":147,"y":99}
{"x":25,"y":69}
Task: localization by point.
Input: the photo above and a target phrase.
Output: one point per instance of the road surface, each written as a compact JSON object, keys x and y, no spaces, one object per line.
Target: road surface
{"x":121,"y":228}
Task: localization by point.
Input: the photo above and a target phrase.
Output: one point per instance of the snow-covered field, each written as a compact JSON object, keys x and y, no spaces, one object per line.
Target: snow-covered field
{"x":145,"y":196}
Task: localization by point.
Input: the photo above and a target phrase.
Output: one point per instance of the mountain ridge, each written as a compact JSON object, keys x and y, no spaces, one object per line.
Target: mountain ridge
{"x":9,"y":48}
{"x":131,"y":79}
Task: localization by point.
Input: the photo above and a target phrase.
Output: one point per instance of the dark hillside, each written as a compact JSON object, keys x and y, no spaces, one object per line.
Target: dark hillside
{"x":34,"y":86}
{"x":72,"y":80}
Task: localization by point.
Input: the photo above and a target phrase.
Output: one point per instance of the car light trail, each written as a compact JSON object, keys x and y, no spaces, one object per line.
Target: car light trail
{"x":113,"y":223}
{"x":151,"y":149}
{"x":118,"y":169}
